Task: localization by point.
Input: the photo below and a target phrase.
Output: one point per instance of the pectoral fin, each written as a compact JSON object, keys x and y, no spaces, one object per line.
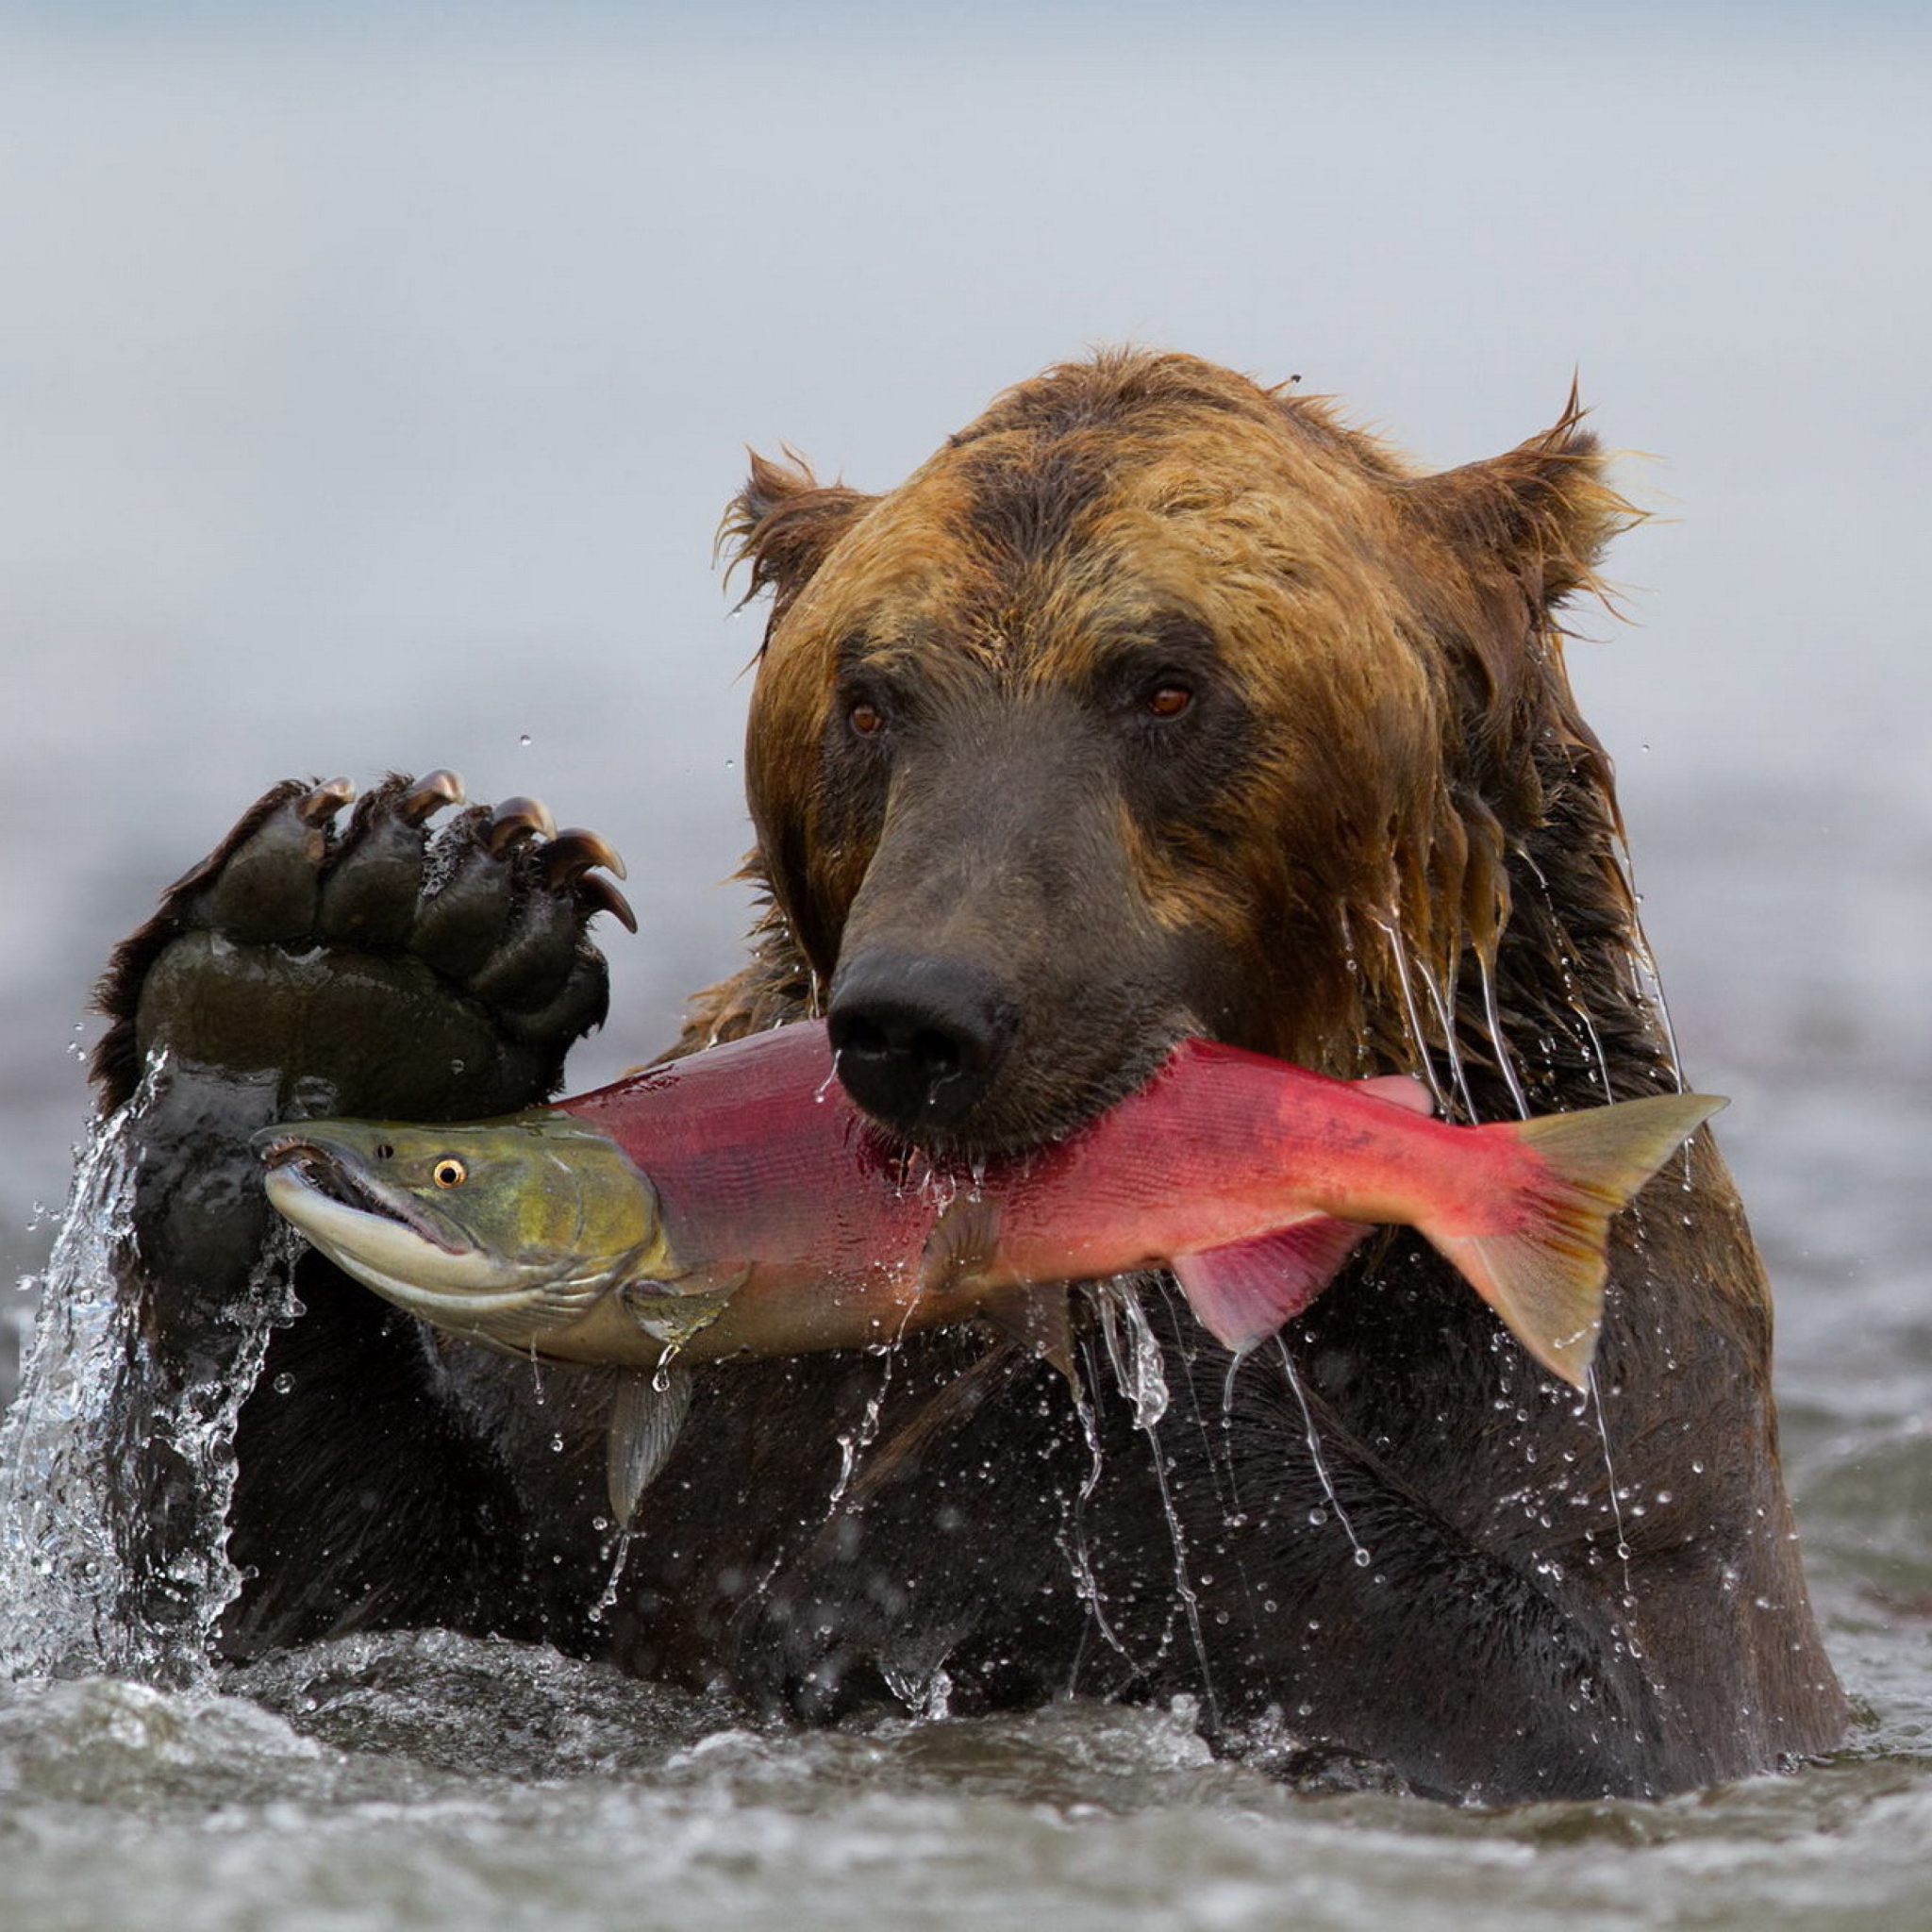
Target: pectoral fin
{"x":1401,"y":1089}
{"x":961,"y":1243}
{"x":1245,"y":1293}
{"x":645,"y":1420}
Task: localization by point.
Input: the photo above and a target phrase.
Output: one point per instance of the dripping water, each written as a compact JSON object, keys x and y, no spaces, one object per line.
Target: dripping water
{"x":1425,"y":1061}
{"x":1505,"y":1060}
{"x":1314,"y":1439}
{"x":1580,"y":1006}
{"x":620,"y":1555}
{"x":1603,"y":1432}
{"x":1142,"y":1375}
{"x":1137,"y":1363}
{"x":1648,"y":982}
{"x":1073,"y":1543}
{"x":1449,"y":1040}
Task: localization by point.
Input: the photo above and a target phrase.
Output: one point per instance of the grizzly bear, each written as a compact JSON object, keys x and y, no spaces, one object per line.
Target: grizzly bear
{"x":1155,"y":703}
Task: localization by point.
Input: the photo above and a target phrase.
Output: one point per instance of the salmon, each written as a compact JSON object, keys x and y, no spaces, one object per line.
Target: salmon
{"x":737,"y":1203}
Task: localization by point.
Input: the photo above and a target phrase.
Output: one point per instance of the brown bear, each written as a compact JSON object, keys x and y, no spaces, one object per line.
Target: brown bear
{"x":1155,"y":703}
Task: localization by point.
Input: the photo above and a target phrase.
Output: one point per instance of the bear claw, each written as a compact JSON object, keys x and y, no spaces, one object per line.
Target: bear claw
{"x":318,"y":807}
{"x":572,"y":852}
{"x":429,"y":796}
{"x":599,"y":895}
{"x":515,"y":820}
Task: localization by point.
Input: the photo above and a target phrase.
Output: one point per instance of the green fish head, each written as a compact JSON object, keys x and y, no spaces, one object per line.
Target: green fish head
{"x":501,"y":1232}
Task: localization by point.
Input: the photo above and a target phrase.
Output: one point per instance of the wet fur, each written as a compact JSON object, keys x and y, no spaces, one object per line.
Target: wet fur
{"x":1392,"y":1542}
{"x":1405,"y":854}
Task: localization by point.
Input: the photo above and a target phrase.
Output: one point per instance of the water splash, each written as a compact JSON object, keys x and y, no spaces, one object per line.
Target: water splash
{"x":80,"y":1591}
{"x":925,"y":1694}
{"x":59,"y":1556}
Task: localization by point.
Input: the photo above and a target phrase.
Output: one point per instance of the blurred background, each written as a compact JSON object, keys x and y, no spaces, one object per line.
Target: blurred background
{"x":371,"y":378}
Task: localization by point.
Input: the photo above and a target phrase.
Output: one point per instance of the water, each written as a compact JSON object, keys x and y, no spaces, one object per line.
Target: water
{"x":375,"y":402}
{"x":441,"y":1782}
{"x":429,"y":1780}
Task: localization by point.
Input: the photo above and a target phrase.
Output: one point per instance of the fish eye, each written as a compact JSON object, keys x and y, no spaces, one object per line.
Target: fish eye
{"x":449,"y":1172}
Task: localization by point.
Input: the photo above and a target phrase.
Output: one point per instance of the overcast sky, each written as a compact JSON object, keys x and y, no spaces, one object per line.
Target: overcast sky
{"x":371,"y":377}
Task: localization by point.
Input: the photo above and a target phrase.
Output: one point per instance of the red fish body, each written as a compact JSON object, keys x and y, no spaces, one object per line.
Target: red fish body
{"x":1251,"y":1177}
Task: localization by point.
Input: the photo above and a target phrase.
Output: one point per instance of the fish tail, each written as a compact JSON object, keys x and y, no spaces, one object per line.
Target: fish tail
{"x":1545,"y":1277}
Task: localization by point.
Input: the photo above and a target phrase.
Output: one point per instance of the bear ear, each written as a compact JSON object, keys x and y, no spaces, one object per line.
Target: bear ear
{"x":1539,"y":514}
{"x":784,"y":524}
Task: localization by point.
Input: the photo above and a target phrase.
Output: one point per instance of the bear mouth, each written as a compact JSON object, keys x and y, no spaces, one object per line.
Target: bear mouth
{"x":1035,"y":1103}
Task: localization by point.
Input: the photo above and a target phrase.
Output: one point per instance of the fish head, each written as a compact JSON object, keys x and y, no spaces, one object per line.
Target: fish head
{"x":500,"y":1231}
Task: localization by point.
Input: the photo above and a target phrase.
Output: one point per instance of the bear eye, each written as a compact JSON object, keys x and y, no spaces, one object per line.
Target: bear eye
{"x":866,"y":718}
{"x":449,"y":1172}
{"x":1169,"y":699}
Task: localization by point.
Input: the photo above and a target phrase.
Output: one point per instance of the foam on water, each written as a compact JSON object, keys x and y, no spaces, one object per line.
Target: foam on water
{"x":441,"y":1782}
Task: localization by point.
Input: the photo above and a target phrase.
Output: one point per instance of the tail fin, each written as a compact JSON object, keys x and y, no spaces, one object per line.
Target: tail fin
{"x":1546,"y":1278}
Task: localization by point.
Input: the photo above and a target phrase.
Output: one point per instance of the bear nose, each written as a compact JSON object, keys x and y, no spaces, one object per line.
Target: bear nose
{"x":917,"y":1040}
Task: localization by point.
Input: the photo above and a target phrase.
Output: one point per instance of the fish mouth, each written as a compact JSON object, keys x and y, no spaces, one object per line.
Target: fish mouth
{"x":391,"y":1243}
{"x":321,"y":1174}
{"x":426,"y":1262}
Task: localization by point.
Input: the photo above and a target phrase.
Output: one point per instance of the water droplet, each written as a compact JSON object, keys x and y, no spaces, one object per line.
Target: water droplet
{"x":523,"y":739}
{"x":283,"y":1383}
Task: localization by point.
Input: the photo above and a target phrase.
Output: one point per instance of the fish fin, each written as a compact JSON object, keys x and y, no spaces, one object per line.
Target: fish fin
{"x":1037,"y":1319}
{"x":961,"y":1244}
{"x":1244,"y":1292}
{"x":646,"y":1418}
{"x":1400,"y":1090}
{"x":1546,"y":1279}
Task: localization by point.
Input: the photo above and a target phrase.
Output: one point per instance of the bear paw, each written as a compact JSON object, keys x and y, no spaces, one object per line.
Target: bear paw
{"x":375,"y":970}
